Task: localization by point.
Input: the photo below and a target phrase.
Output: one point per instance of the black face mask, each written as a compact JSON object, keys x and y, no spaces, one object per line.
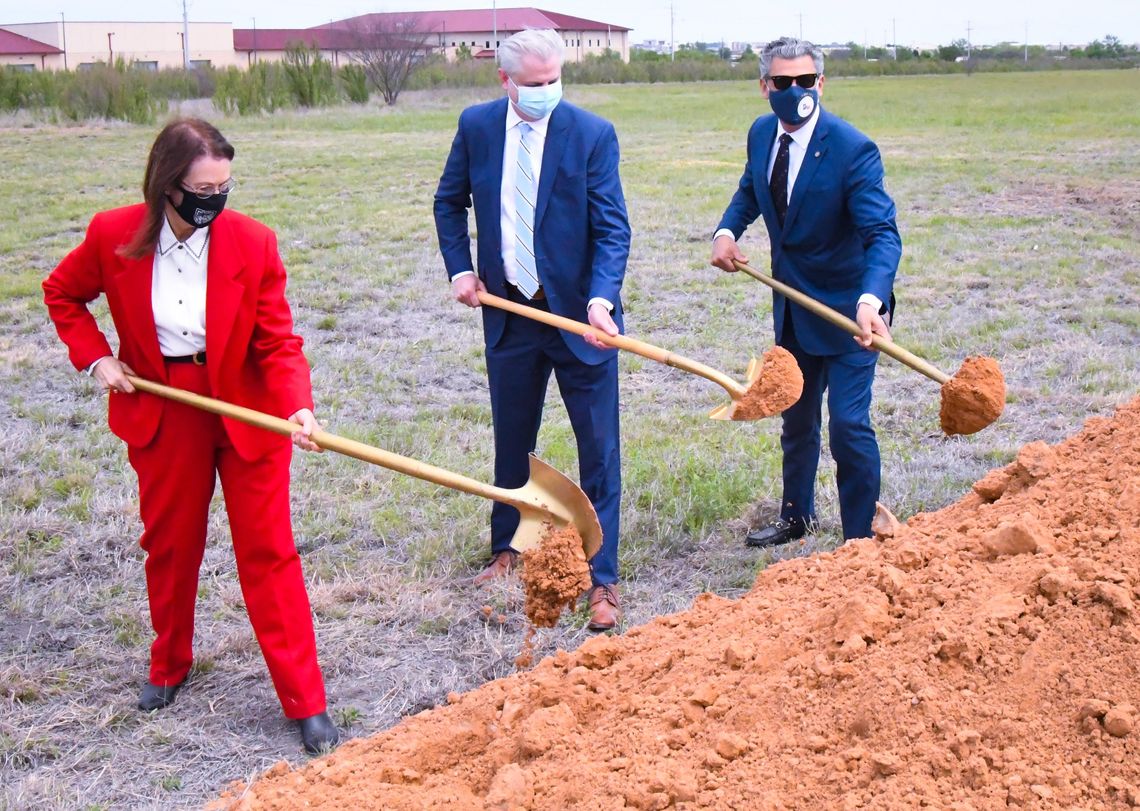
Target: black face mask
{"x":197,"y":211}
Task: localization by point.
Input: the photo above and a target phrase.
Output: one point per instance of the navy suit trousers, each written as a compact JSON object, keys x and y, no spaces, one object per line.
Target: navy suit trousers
{"x":518,"y":370}
{"x":847,"y":378}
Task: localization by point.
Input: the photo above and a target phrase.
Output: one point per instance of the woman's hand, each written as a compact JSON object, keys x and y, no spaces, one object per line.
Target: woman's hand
{"x":111,"y":375}
{"x":303,"y":438}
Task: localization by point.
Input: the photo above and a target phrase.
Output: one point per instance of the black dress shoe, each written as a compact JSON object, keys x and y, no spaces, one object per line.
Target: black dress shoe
{"x":777,"y":532}
{"x":154,"y":697}
{"x":318,"y":733}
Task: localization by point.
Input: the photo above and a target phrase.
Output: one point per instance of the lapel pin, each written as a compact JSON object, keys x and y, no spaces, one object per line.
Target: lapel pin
{"x":817,"y":153}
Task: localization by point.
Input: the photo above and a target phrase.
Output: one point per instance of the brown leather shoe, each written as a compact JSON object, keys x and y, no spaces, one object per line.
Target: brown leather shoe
{"x":605,"y":607}
{"x":500,"y":566}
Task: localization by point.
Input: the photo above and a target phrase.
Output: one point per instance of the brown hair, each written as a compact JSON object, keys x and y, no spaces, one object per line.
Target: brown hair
{"x":180,"y":143}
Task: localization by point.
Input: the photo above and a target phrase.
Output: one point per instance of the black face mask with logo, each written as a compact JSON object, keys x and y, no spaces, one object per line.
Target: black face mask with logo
{"x":197,"y":211}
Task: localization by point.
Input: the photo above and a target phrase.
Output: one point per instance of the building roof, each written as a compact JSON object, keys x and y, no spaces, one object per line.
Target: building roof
{"x":481,"y":19}
{"x":12,"y":44}
{"x":278,"y":39}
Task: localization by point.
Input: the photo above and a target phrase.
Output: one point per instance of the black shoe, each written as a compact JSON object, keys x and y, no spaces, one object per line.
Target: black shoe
{"x":777,"y":532}
{"x":154,"y":697}
{"x":318,"y":733}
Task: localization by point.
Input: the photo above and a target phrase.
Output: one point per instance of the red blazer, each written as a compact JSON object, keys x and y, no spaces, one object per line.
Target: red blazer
{"x":254,"y":358}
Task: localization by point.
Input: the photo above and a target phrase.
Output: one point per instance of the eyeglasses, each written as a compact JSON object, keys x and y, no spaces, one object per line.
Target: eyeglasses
{"x":205,"y":191}
{"x":804,"y":80}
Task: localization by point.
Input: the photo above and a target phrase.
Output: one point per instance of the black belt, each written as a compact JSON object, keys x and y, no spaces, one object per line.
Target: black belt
{"x":198,"y":358}
{"x":514,"y":290}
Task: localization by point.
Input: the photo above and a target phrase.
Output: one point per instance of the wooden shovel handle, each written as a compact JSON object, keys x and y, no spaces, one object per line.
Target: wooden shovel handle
{"x":885,"y":345}
{"x":332,"y":442}
{"x":656,"y":353}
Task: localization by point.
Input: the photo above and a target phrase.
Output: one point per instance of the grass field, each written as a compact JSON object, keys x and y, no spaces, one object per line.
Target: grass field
{"x":1019,"y":206}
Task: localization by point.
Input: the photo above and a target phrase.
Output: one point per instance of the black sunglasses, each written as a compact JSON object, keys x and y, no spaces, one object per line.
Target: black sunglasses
{"x":804,"y":80}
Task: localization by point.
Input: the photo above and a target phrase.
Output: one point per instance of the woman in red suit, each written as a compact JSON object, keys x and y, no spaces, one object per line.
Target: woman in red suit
{"x":197,"y":295}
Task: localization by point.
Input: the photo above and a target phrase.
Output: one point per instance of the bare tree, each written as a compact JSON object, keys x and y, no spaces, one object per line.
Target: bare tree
{"x":389,"y":47}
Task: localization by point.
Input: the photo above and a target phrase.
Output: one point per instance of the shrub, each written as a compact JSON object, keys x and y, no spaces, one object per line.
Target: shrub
{"x":354,"y":82}
{"x":309,"y":76}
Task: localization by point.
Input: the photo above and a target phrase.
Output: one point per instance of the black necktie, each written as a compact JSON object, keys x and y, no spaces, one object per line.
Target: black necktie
{"x":778,"y":185}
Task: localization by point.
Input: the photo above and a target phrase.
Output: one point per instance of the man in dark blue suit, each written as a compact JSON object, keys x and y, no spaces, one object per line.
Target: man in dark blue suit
{"x":818,"y":183}
{"x":553,"y":234}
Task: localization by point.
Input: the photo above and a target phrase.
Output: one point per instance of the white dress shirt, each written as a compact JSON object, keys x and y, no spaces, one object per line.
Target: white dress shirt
{"x":178,"y":291}
{"x":797,"y":150}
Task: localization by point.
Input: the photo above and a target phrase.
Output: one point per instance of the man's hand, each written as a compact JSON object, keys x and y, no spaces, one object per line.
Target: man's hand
{"x":466,"y":289}
{"x":600,"y":318}
{"x":111,"y":375}
{"x":870,"y":322}
{"x":308,"y":422}
{"x":724,"y":252}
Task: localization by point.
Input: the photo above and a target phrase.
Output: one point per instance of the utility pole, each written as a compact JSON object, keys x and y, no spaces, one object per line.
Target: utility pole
{"x":968,"y":40}
{"x":185,"y":38}
{"x":672,"y":40}
{"x":110,"y":53}
{"x":63,"y":30}
{"x":895,"y":39}
{"x":254,"y":39}
{"x":495,"y":28}
{"x":1027,"y":42}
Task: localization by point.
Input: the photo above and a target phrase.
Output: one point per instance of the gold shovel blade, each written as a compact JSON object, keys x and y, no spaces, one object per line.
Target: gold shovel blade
{"x":725,"y":412}
{"x":562,"y":502}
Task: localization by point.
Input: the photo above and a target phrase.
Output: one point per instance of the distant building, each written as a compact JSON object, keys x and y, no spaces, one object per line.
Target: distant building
{"x":58,"y":44}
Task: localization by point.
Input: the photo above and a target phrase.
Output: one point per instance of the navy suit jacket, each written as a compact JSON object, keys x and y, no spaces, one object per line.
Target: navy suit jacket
{"x":581,"y":232}
{"x":839,"y":238}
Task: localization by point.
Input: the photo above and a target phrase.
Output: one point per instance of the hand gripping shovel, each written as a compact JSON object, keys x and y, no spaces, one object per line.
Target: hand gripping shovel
{"x":547,"y":499}
{"x":773,"y":385}
{"x":972,"y":399}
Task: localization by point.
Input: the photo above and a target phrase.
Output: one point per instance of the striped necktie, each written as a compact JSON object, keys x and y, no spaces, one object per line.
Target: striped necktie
{"x":526,"y":190}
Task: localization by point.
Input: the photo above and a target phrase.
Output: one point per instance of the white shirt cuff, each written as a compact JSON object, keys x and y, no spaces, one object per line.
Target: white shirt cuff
{"x":724,"y":232}
{"x":599,"y":300}
{"x":462,"y":273}
{"x":90,"y":370}
{"x":874,"y":301}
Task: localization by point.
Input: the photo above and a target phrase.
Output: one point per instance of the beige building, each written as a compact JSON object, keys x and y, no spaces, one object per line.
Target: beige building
{"x":70,"y":44}
{"x":150,"y":46}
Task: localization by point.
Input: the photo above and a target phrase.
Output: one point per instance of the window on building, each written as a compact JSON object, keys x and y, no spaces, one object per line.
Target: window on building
{"x":453,"y":43}
{"x":199,"y":64}
{"x":488,"y":45}
{"x":23,"y":68}
{"x":86,"y":66}
{"x":141,"y":64}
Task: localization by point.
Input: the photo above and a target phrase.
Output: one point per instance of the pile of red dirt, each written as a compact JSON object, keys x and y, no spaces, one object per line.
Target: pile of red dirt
{"x":773,"y":389}
{"x":983,"y":656}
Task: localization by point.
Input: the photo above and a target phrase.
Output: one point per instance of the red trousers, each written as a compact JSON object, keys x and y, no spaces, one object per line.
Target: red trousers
{"x":176,"y":473}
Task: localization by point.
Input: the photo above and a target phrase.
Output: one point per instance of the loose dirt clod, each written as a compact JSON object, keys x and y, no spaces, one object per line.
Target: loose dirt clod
{"x":554,"y":575}
{"x":974,"y":397}
{"x":912,"y":671}
{"x":775,"y":389}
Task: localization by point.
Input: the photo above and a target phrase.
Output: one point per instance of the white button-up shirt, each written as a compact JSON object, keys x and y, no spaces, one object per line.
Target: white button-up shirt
{"x":510,"y":171}
{"x":178,"y":291}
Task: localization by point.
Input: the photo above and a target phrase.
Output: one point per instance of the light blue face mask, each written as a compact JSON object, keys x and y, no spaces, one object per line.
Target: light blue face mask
{"x":538,"y":102}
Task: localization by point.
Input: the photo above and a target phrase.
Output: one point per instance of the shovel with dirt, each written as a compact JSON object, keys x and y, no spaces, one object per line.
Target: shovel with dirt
{"x":548,"y":502}
{"x":774,"y":384}
{"x":971,"y":400}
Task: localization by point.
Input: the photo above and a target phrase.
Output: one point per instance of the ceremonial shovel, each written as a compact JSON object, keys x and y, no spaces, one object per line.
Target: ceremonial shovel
{"x":547,"y":498}
{"x":773,"y":385}
{"x":972,"y":399}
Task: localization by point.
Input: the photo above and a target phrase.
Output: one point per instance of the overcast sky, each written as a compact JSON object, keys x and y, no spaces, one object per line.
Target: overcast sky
{"x":919,"y":22}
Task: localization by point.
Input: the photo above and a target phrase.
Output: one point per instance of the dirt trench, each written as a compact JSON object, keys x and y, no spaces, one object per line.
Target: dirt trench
{"x":983,"y":656}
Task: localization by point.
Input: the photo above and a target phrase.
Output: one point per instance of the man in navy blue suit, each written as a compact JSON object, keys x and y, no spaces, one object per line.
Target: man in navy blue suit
{"x":818,"y":183}
{"x":553,"y":234}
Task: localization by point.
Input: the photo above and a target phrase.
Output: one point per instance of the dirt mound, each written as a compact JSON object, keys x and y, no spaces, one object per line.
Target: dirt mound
{"x":775,"y":388}
{"x":981,"y":656}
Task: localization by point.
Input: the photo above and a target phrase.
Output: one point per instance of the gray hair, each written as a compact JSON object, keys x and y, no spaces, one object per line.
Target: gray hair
{"x":789,"y":48}
{"x":543,"y":43}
